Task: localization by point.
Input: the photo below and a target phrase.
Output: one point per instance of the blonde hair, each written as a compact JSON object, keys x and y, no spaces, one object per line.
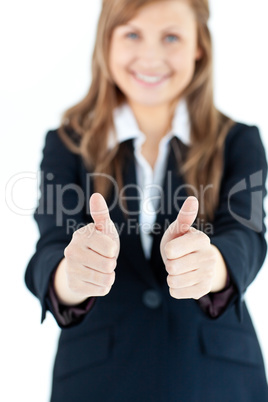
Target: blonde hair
{"x":92,"y":118}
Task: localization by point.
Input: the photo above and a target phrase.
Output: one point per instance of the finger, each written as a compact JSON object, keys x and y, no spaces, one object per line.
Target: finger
{"x":186,"y":216}
{"x":103,"y":245}
{"x":193,"y":292}
{"x":190,"y":242}
{"x":184,"y":280}
{"x":101,"y":264}
{"x":182,"y":224}
{"x":184,"y":264}
{"x":91,"y":259}
{"x":98,"y":262}
{"x":99,"y":212}
{"x":86,"y":288}
{"x":93,"y":277}
{"x":88,"y":237}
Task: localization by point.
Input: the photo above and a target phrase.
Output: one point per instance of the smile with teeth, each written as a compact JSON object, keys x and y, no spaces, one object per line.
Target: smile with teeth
{"x":149,"y":79}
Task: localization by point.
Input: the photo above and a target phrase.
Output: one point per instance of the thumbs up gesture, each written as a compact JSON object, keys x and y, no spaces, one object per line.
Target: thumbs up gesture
{"x":194,"y":266}
{"x":90,"y":258}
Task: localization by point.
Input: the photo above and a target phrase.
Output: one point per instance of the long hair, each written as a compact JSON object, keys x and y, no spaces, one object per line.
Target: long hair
{"x":92,"y":118}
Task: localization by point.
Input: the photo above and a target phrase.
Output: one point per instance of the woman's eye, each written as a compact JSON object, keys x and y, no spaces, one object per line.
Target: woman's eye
{"x":172,"y":38}
{"x":132,"y":35}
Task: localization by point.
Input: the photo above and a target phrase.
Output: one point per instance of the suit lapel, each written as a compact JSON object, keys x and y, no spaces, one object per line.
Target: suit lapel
{"x":128,"y":228}
{"x":173,"y":187}
{"x":131,"y":248}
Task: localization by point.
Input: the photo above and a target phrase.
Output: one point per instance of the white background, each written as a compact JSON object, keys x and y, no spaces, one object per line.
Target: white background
{"x":45,"y":67}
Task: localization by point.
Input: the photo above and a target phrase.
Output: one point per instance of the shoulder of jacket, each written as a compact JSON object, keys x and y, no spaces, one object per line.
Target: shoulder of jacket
{"x":242,"y":134}
{"x":240,"y":129}
{"x":52,"y":135}
{"x":53,"y":139}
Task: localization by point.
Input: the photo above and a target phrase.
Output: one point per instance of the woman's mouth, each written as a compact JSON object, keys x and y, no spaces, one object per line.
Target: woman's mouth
{"x":149,"y":80}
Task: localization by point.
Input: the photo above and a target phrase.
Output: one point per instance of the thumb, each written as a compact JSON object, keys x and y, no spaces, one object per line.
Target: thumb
{"x":182,"y":224}
{"x":99,"y":212}
{"x":186,"y":216}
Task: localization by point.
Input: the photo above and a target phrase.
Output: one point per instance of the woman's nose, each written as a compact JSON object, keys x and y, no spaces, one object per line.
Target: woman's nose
{"x":151,"y":51}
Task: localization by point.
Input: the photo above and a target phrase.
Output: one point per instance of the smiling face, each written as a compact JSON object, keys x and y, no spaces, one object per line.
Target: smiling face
{"x":152,"y":57}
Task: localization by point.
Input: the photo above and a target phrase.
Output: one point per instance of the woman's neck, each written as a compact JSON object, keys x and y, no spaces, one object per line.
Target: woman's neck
{"x":153,"y":121}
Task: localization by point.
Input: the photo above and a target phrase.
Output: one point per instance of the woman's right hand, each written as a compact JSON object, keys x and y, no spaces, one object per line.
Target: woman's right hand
{"x":88,"y":268}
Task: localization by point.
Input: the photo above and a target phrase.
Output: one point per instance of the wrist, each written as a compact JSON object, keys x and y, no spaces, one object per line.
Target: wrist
{"x":61,"y":288}
{"x":221,"y":273}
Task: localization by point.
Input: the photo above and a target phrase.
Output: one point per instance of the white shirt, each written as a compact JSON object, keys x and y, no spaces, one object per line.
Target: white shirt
{"x":149,"y":181}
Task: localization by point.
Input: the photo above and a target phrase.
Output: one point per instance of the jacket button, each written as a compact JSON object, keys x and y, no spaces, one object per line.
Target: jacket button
{"x":152,"y":299}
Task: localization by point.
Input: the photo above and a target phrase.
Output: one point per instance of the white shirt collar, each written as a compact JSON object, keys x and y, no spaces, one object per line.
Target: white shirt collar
{"x":126,"y":126}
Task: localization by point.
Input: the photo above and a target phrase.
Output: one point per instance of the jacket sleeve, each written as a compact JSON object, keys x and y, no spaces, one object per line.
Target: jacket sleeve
{"x":238,"y":227}
{"x":59,"y":213}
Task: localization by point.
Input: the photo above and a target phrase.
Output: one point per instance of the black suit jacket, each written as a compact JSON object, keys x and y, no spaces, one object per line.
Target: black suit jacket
{"x":138,"y":343}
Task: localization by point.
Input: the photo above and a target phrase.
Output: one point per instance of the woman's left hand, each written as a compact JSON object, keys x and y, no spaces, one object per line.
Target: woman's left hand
{"x":195,"y":267}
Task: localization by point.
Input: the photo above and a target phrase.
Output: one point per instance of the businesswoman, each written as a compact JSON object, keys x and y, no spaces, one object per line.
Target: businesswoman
{"x":151,"y":221}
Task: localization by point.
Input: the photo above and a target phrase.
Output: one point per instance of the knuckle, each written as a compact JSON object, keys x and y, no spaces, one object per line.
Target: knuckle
{"x":207,"y":288}
{"x":104,"y":290}
{"x":203,"y":240}
{"x":111,"y":250}
{"x":197,"y":295}
{"x":171,"y":280}
{"x":192,"y":230}
{"x":78,"y":233}
{"x":68,"y":252}
{"x":108,"y":280}
{"x":201,"y":291}
{"x":171,"y":267}
{"x":173,"y":293}
{"x":110,"y":266}
{"x":112,"y":280}
{"x":204,"y":236}
{"x":168,"y":250}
